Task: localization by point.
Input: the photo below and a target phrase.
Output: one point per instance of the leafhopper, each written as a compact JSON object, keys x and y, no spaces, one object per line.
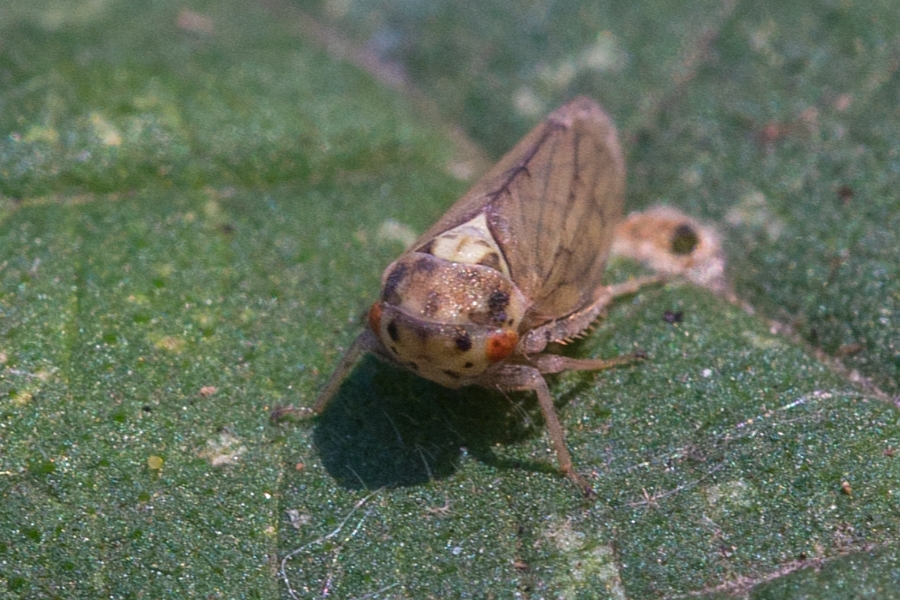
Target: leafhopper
{"x":516,"y":264}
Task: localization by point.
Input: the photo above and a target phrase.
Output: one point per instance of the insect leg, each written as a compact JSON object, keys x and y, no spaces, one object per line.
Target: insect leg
{"x":554,"y":363}
{"x":365,"y":342}
{"x":525,"y":378}
{"x":633,"y":285}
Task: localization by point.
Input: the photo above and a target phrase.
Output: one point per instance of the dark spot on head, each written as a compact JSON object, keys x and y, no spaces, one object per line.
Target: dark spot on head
{"x":673,"y":317}
{"x":463,"y":343}
{"x":499,"y":300}
{"x":389,"y":294}
{"x":394,"y":350}
{"x":451,"y":374}
{"x":510,"y":322}
{"x":392,"y":331}
{"x":469,"y":365}
{"x":413,"y":365}
{"x":423,"y":333}
{"x":684,"y":240}
{"x":491,"y":259}
{"x":424,"y":265}
{"x":497,"y":304}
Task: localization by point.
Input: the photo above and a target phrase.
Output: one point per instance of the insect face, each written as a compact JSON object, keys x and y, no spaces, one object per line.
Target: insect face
{"x":447,"y":320}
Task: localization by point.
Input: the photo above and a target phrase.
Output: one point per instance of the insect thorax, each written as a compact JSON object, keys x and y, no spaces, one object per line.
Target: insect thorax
{"x":449,"y":310}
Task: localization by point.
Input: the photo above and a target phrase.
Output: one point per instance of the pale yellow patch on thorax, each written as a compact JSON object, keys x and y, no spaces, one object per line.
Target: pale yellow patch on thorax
{"x":470,"y":243}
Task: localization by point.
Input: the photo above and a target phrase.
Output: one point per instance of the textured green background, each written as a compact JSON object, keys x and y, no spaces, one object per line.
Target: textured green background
{"x":191,"y":195}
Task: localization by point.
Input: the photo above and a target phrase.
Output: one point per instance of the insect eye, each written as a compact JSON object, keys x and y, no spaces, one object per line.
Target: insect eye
{"x":500,"y":345}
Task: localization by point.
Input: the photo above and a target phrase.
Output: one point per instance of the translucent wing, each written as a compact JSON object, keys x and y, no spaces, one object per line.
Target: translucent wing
{"x":551,"y":204}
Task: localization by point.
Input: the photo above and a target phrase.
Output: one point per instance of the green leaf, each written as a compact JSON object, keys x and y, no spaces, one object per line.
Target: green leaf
{"x":196,"y":204}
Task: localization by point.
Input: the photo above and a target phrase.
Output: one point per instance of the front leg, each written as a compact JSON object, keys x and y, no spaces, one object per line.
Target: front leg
{"x":365,"y":342}
{"x":525,"y":378}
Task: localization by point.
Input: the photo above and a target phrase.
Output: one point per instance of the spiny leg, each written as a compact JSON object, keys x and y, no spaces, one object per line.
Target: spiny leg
{"x":554,"y":363}
{"x":564,"y":330}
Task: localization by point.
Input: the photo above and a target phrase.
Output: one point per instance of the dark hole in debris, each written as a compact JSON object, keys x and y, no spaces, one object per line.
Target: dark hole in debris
{"x":684,"y":240}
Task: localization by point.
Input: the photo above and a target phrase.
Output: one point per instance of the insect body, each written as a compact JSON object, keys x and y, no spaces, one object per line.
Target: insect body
{"x":514,"y":265}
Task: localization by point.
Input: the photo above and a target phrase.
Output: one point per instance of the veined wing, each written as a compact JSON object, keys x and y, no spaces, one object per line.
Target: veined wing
{"x":551,"y":204}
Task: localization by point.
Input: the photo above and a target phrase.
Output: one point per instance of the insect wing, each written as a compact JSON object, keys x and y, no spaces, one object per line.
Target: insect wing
{"x":551,"y":205}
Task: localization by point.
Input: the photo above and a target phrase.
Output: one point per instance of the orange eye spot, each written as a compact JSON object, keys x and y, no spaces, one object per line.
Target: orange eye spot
{"x":375,"y":317}
{"x":501,"y":344}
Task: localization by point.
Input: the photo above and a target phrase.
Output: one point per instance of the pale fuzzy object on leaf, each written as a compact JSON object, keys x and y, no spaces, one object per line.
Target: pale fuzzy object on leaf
{"x":669,"y":241}
{"x":225,"y":450}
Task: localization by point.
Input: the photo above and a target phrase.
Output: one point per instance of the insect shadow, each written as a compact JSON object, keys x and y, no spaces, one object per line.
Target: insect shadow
{"x":388,"y":427}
